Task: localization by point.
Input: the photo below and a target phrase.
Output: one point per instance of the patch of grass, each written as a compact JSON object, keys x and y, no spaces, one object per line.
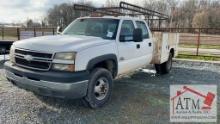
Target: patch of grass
{"x":199,"y":57}
{"x":191,"y":53}
{"x":13,"y":38}
{"x":202,"y":46}
{"x":154,"y":101}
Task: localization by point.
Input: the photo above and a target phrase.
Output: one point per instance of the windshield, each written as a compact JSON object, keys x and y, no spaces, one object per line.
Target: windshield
{"x":97,"y":27}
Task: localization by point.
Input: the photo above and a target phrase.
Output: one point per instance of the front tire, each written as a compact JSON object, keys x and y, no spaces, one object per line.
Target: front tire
{"x":99,"y":88}
{"x":165,"y":67}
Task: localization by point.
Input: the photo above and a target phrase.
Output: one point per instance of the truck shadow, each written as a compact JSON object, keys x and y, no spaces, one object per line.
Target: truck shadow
{"x":140,"y":95}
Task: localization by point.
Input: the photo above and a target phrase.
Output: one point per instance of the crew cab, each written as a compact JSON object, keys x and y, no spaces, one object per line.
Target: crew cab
{"x":82,"y":61}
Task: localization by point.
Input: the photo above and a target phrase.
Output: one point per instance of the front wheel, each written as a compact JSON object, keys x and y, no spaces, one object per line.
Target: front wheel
{"x":165,"y":67}
{"x":99,"y":88}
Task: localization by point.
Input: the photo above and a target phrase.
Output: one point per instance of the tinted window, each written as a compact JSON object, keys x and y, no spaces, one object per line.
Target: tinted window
{"x":142,"y":26}
{"x":104,"y":28}
{"x":127,"y":29}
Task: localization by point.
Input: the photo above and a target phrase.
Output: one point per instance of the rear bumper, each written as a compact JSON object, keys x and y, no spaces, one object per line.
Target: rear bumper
{"x":55,"y":84}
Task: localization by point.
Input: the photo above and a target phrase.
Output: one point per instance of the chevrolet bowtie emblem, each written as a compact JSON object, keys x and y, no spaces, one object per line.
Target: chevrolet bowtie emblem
{"x":28,"y":57}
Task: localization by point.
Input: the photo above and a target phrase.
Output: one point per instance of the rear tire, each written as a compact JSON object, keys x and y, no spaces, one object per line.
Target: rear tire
{"x":99,"y":88}
{"x":165,"y":67}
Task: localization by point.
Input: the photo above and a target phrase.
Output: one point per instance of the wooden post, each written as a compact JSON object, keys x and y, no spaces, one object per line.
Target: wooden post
{"x":42,"y":31}
{"x":34,"y":32}
{"x":18,"y":33}
{"x":159,"y":23}
{"x":151,"y":22}
{"x":148,"y":21}
{"x":198,"y":43}
{"x":53,"y":31}
{"x":3,"y":33}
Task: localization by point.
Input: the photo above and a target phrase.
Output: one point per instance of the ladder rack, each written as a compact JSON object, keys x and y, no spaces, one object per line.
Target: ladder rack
{"x":125,"y":9}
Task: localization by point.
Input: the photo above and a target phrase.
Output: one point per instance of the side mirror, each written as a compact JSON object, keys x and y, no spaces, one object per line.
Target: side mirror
{"x":137,"y":35}
{"x":59,"y":30}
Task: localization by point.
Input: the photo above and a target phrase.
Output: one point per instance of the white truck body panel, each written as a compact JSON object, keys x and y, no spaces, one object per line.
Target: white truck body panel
{"x":60,"y":43}
{"x":83,"y":57}
{"x":163,"y":43}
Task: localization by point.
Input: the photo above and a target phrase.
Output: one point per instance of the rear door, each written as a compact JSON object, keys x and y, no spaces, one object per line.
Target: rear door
{"x":146,"y":47}
{"x":127,"y":50}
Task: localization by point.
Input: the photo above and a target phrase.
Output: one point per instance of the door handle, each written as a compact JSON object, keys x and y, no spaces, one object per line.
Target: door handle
{"x":138,"y":46}
{"x":149,"y":44}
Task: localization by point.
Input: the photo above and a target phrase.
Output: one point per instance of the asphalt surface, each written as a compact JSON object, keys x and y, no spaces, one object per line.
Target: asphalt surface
{"x":139,"y":98}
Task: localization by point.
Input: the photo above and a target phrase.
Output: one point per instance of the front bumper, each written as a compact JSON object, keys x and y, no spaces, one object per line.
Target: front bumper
{"x":55,"y":84}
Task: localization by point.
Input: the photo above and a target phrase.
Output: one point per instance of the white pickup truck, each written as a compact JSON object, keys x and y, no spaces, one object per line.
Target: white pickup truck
{"x":84,"y":59}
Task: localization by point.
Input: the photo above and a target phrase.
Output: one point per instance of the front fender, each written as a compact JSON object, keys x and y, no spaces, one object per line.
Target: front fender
{"x":91,"y":64}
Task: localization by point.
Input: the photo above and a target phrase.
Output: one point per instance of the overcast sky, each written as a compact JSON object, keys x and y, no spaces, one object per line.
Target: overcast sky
{"x":15,"y":11}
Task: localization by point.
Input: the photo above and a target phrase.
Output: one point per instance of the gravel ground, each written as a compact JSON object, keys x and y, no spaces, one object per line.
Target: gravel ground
{"x":139,"y":98}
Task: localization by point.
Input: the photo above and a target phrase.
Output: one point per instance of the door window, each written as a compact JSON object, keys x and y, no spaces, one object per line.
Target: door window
{"x":142,"y":26}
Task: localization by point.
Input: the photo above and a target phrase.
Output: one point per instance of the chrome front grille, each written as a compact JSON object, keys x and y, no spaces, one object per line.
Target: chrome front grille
{"x":33,"y":60}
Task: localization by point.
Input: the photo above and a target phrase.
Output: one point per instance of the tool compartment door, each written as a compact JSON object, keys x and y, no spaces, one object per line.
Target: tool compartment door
{"x":163,"y":43}
{"x":164,"y":48}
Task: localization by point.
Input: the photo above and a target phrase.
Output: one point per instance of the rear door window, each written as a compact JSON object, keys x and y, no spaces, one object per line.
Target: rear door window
{"x":143,"y":26}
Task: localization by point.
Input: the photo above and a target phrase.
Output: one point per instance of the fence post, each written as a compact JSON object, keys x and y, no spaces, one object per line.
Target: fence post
{"x":198,"y":43}
{"x":3,"y":33}
{"x":34,"y":32}
{"x":18,"y":33}
{"x":159,"y":23}
{"x":53,"y":31}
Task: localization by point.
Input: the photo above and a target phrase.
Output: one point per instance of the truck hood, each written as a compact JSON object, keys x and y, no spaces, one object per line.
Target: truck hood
{"x":60,"y":43}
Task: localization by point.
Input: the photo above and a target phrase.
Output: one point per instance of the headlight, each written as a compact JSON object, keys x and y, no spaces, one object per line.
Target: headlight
{"x":12,"y":54}
{"x":64,"y":67}
{"x":64,"y":61}
{"x":65,"y":56}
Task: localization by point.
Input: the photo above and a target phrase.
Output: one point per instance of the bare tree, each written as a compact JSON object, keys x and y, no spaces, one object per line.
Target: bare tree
{"x":64,"y":14}
{"x":172,"y":11}
{"x":30,"y":24}
{"x":185,"y":13}
{"x":214,"y":14}
{"x":200,"y":20}
{"x":111,"y":3}
{"x":160,"y":6}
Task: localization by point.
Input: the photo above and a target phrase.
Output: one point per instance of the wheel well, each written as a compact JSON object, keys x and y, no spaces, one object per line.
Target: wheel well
{"x":110,"y":65}
{"x":172,"y":52}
